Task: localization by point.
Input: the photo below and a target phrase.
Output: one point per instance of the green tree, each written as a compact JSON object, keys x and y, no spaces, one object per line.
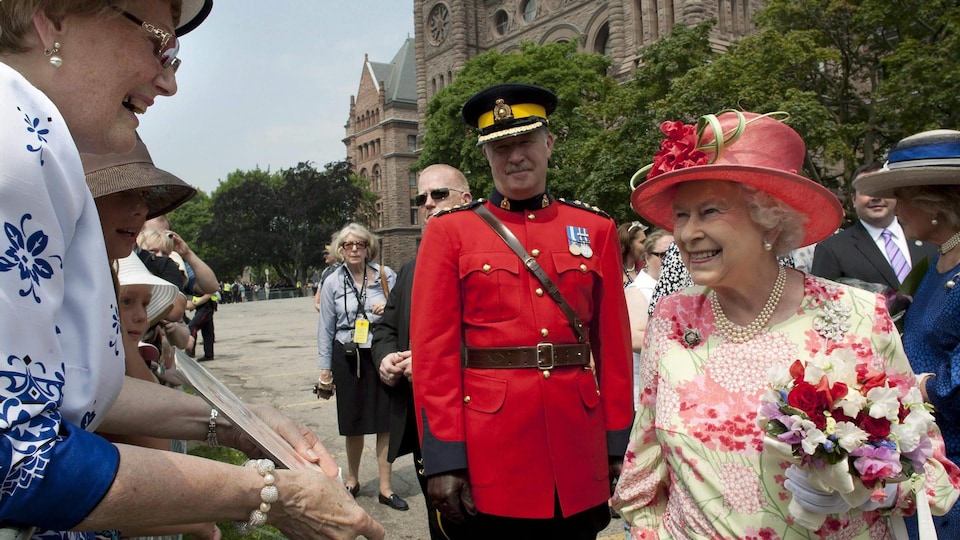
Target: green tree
{"x":855,"y":77}
{"x":239,"y":233}
{"x":280,"y":221}
{"x":628,"y":136}
{"x":190,"y":219}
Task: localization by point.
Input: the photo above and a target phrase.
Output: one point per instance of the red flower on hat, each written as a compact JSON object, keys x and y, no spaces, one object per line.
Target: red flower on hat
{"x":679,"y":150}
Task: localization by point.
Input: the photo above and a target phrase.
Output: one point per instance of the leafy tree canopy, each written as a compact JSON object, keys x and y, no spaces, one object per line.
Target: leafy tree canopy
{"x":855,"y":77}
{"x":279,"y":220}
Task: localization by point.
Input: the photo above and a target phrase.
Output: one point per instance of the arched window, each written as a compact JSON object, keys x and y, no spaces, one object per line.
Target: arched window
{"x":377,"y":186}
{"x":529,"y":10}
{"x":501,"y":22}
{"x":601,"y":44}
{"x":668,"y":15}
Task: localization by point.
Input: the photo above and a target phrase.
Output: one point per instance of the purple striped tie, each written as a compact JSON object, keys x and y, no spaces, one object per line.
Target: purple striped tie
{"x":895,"y":256}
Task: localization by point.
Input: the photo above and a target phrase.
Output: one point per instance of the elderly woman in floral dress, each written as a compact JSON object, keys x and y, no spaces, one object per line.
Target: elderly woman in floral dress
{"x":697,"y":465}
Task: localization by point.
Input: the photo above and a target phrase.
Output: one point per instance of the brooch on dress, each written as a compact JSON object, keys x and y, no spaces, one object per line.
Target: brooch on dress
{"x":691,"y":337}
{"x":832,"y":320}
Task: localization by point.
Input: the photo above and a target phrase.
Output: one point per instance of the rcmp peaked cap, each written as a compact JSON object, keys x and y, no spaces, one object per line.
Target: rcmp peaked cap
{"x":506,"y":110}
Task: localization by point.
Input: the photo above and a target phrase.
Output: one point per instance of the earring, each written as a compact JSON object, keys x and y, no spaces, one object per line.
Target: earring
{"x":53,"y":55}
{"x":767,"y":245}
{"x":934,"y":222}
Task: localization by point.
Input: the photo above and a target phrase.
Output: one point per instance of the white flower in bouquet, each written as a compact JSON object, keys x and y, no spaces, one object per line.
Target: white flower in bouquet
{"x":850,"y":436}
{"x":884,"y":403}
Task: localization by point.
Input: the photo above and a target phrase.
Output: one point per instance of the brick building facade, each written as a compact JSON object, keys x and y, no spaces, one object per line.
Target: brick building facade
{"x":449,"y":32}
{"x":381,"y":143}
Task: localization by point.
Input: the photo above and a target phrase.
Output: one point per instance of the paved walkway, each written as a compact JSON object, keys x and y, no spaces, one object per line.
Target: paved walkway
{"x":266,"y":353}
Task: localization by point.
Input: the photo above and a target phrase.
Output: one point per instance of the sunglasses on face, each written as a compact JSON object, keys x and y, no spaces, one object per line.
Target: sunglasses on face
{"x":351,"y":245}
{"x":660,"y":254}
{"x":435,"y":194}
{"x":167,"y":44}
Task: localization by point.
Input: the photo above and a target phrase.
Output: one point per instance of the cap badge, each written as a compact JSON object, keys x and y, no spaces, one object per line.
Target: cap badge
{"x":501,"y":111}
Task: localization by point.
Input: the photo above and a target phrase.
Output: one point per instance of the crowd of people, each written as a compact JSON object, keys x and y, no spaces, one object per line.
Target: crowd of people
{"x":729,"y":286}
{"x":563,"y":364}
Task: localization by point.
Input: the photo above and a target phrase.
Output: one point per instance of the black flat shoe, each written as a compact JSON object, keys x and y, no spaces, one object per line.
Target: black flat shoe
{"x":354,"y":490}
{"x":394,"y":501}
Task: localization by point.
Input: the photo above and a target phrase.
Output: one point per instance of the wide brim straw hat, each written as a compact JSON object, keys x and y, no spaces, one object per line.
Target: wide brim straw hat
{"x":131,"y":271}
{"x":927,"y":158}
{"x":113,"y":173}
{"x":192,"y":13}
{"x":756,"y":150}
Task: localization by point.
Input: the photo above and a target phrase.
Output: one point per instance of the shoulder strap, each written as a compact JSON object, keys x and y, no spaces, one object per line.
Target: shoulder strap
{"x":503,"y":232}
{"x":383,"y":283}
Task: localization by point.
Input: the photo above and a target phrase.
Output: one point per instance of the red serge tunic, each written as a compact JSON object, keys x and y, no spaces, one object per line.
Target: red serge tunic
{"x":522,"y":434}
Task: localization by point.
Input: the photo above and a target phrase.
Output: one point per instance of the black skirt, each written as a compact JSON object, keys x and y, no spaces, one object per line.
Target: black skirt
{"x":363,"y":406}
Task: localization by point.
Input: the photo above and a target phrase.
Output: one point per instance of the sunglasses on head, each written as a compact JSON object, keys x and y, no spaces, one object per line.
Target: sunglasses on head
{"x":435,"y":194}
{"x":167,"y":44}
{"x":636,"y":225}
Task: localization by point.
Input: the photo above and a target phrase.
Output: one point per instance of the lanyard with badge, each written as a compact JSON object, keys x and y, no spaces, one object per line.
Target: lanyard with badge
{"x":361,"y":326}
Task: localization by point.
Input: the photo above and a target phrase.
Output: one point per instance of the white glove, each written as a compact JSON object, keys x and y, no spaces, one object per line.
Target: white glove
{"x":811,"y":499}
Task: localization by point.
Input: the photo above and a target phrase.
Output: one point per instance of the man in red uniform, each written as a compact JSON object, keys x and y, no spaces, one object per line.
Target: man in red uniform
{"x":524,"y":410}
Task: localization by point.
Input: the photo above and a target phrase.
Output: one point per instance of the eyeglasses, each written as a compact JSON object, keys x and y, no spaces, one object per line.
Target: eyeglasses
{"x":167,"y":44}
{"x":435,"y":194}
{"x":351,"y":245}
{"x":636,"y":225}
{"x":660,"y":254}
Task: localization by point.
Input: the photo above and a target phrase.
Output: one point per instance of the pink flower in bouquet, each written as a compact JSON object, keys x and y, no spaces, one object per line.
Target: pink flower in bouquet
{"x":679,"y":150}
{"x":875,"y":464}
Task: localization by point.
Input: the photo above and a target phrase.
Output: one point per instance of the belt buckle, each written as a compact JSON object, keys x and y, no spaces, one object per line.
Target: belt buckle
{"x":544,"y":349}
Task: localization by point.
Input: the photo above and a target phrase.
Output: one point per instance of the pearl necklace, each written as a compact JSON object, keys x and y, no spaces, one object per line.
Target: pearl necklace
{"x":742,"y":334}
{"x":951,"y":243}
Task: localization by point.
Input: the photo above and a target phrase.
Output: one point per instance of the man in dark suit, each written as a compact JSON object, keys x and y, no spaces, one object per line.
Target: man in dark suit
{"x":866,"y":250}
{"x":439,"y":187}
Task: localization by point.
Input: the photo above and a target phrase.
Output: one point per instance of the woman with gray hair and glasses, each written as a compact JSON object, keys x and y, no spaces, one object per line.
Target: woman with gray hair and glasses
{"x":352,"y":300}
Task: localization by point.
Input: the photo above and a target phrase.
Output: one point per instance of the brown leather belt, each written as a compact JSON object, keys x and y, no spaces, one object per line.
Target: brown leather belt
{"x":541,"y":356}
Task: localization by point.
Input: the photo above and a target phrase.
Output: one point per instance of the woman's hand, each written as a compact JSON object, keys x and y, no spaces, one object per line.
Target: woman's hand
{"x":304,"y":441}
{"x":311,"y":504}
{"x":378,"y":308}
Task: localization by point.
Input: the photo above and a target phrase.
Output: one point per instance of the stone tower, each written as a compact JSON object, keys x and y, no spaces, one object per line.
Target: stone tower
{"x":381,"y":143}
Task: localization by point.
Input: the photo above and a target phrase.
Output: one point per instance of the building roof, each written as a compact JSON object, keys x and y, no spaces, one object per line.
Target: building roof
{"x":399,"y":76}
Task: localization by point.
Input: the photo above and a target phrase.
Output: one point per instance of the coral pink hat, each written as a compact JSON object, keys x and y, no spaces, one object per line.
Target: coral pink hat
{"x":753,"y":149}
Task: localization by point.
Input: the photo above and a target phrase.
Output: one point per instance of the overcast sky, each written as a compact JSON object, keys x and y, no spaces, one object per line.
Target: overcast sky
{"x":268,"y":84}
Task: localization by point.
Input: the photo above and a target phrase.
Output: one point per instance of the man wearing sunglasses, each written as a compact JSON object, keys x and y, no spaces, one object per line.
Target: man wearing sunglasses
{"x":523,"y":398}
{"x":439,"y":187}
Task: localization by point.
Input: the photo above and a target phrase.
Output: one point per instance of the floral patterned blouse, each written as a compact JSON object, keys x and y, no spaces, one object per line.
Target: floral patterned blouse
{"x":694,"y":467}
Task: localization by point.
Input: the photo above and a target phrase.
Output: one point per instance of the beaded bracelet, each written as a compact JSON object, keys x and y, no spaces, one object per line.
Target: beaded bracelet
{"x":212,"y":429}
{"x":268,"y":495}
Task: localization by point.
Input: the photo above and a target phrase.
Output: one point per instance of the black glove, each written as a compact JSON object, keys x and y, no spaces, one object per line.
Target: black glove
{"x":451,"y":495}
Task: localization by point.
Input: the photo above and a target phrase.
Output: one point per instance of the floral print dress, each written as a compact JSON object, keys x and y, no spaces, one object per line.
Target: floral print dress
{"x":695,"y":466}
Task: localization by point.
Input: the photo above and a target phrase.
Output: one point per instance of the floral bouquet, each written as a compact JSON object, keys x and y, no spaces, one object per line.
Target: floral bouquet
{"x":851,"y":428}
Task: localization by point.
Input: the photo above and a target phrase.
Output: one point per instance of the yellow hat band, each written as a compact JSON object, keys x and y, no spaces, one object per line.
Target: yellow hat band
{"x":520,"y":110}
